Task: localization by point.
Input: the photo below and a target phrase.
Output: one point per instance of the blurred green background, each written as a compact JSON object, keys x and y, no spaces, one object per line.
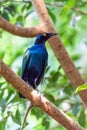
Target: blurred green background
{"x":70,"y":21}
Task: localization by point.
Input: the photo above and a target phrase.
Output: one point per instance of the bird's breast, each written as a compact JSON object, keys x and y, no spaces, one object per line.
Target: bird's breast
{"x":39,"y":51}
{"x":39,"y":55}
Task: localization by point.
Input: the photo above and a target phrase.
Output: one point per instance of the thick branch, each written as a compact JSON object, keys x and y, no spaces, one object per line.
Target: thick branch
{"x":20,"y":31}
{"x":59,"y":50}
{"x":37,"y":99}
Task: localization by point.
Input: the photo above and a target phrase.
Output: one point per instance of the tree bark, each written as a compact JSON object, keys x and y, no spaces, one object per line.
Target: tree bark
{"x":37,"y":99}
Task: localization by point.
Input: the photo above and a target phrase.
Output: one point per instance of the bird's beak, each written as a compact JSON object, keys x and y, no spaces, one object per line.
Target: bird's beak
{"x":52,"y":34}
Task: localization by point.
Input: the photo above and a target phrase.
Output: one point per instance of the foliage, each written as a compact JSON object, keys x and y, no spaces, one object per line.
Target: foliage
{"x":82,"y":87}
{"x":69,"y":18}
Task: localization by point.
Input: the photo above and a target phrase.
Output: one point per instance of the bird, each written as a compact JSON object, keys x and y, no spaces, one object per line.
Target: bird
{"x":35,"y":61}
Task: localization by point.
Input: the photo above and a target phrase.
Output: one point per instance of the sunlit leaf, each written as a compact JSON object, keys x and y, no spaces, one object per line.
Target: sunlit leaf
{"x":71,"y":3}
{"x":66,"y":8}
{"x":64,"y":11}
{"x":76,"y":56}
{"x":19,"y":18}
{"x":3,"y":124}
{"x":82,"y":87}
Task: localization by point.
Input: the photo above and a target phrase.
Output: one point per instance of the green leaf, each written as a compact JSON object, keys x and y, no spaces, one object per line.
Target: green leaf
{"x":23,"y":7}
{"x":54,"y":76}
{"x":29,"y":5}
{"x":64,"y":11}
{"x":68,"y":89}
{"x":19,"y":18}
{"x":26,"y":6}
{"x":3,"y":124}
{"x":47,"y":69}
{"x":5,"y":15}
{"x":52,"y":15}
{"x":46,"y":122}
{"x":82,"y":118}
{"x":26,"y":123}
{"x":17,"y":118}
{"x":50,"y":97}
{"x":82,"y":87}
{"x":37,"y":112}
{"x":72,"y":3}
{"x":28,"y":13}
{"x":76,"y":56}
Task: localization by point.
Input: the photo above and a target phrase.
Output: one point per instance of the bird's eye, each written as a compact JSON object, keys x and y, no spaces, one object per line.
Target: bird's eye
{"x":44,"y":34}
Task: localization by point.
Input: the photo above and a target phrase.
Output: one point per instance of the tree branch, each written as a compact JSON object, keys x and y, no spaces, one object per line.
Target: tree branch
{"x":20,"y":31}
{"x":59,"y":50}
{"x":37,"y":99}
{"x":26,"y":114}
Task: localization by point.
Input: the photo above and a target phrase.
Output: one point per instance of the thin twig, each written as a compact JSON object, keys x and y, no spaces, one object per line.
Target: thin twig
{"x":62,"y":6}
{"x":25,"y":117}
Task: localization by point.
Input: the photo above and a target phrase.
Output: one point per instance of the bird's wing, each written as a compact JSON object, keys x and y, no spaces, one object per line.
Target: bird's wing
{"x":40,"y":78}
{"x":44,"y":68}
{"x":25,"y":60}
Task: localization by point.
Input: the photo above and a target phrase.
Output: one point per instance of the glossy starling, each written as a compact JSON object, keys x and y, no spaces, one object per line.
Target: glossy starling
{"x":35,"y":61}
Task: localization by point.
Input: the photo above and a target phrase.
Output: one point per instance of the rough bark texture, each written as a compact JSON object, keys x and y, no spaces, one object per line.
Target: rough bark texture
{"x":37,"y":99}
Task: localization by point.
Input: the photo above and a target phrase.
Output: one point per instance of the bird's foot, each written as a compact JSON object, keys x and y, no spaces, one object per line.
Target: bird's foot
{"x":38,"y":92}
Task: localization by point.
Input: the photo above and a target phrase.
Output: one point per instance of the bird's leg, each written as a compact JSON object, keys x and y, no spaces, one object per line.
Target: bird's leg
{"x":38,"y":92}
{"x":35,"y":82}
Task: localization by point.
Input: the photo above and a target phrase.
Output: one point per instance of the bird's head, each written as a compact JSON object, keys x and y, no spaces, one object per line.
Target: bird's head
{"x":43,"y":37}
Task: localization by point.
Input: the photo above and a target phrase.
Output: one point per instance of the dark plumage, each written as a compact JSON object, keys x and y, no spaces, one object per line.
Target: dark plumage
{"x":35,"y":61}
